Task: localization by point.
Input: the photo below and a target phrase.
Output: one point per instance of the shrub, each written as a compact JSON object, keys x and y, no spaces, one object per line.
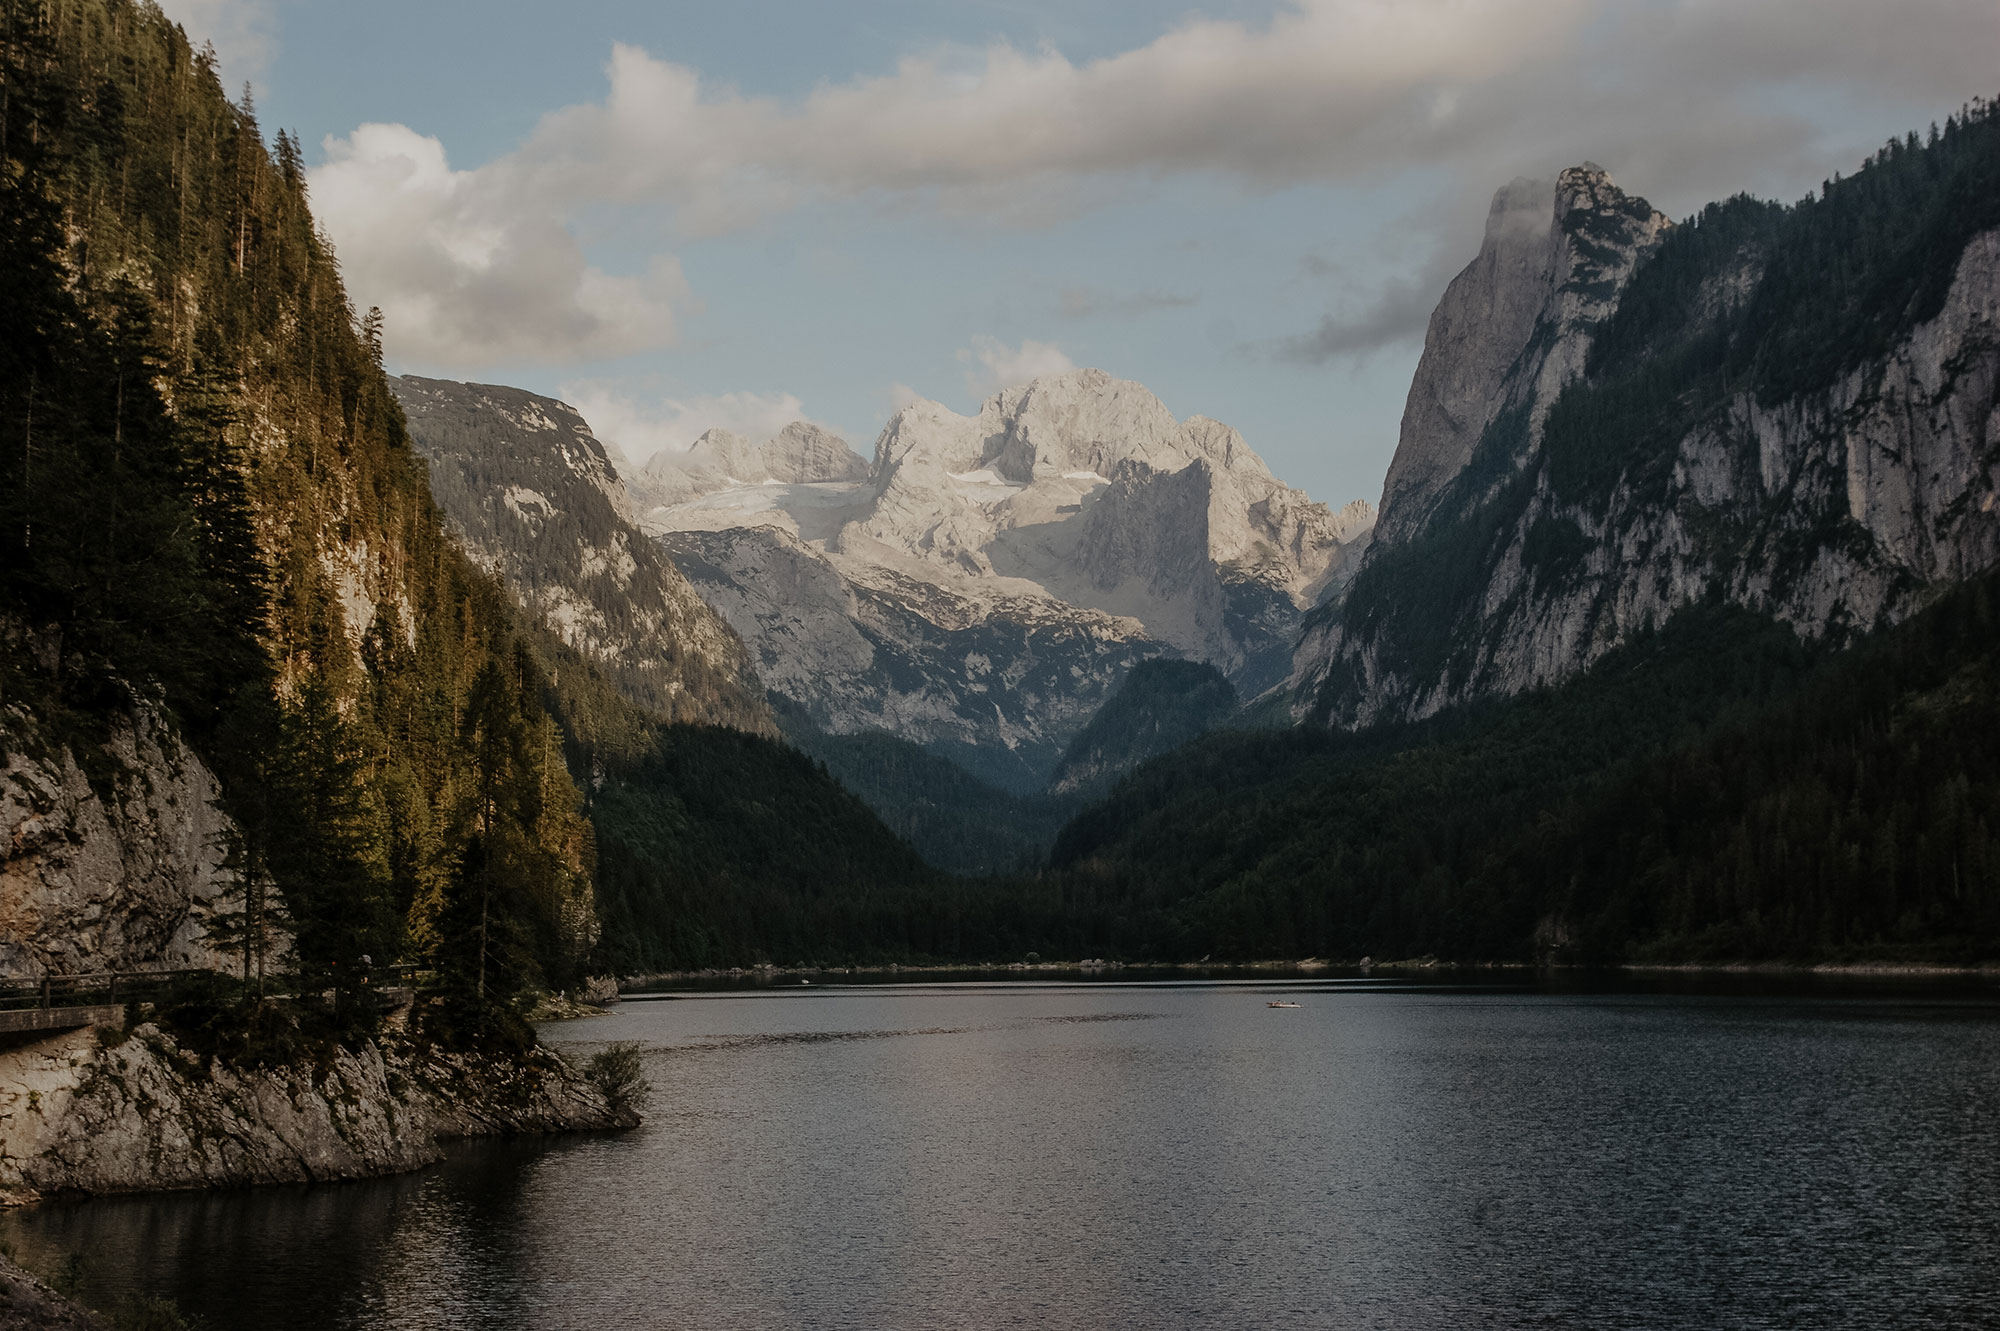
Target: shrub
{"x":618,"y":1072}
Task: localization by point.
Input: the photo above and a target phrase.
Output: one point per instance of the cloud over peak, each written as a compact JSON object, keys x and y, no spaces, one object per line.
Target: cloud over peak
{"x":641,"y":425}
{"x":993,"y":365}
{"x":470,"y":270}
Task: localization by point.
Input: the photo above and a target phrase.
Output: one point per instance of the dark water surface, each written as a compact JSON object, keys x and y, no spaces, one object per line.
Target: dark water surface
{"x":1086,"y":1155}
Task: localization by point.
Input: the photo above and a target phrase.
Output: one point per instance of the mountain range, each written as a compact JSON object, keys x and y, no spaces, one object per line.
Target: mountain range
{"x":983,"y":584}
{"x":1673,"y":638}
{"x":979,"y":590}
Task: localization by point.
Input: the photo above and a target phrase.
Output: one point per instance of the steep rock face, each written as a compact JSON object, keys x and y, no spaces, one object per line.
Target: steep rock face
{"x":1073,"y":510}
{"x":137,"y":1112}
{"x":998,"y":683}
{"x":977,"y":492}
{"x":122,"y":873}
{"x":1607,"y":490}
{"x":536,"y":500}
{"x":1513,"y":328}
{"x":1147,"y":535}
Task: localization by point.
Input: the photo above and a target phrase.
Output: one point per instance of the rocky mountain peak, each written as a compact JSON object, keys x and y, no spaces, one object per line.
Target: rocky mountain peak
{"x":804,"y":453}
{"x":1570,"y":499}
{"x":532,"y":495}
{"x":994,"y":573}
{"x":1513,"y":328}
{"x":724,"y":451}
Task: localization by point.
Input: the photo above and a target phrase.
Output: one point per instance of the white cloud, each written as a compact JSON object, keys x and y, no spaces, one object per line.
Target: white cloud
{"x":640,"y":426}
{"x":469,"y":268}
{"x":1325,"y":90}
{"x":995,"y":365}
{"x":243,"y":31}
{"x":1685,"y":100}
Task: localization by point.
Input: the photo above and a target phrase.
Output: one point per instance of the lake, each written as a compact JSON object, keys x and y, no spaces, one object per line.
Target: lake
{"x":1167,"y":1155}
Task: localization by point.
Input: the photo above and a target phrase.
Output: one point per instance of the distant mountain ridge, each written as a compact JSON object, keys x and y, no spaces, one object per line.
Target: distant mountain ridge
{"x":537,"y":501}
{"x":801,"y":453}
{"x":988,"y":582}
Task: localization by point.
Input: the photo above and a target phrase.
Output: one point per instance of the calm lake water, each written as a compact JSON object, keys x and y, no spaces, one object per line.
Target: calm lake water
{"x":1091,"y":1155}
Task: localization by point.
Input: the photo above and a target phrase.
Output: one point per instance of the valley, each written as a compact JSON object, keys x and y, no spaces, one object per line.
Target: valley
{"x":371,"y":719}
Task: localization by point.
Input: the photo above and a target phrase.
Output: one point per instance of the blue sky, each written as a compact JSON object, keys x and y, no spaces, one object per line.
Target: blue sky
{"x":682,"y":215}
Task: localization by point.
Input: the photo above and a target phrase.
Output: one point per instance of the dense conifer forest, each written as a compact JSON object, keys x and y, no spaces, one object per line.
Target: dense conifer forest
{"x":1713,"y":791}
{"x":207,"y":474}
{"x":211,"y":472}
{"x":208,"y":483}
{"x":956,"y":821}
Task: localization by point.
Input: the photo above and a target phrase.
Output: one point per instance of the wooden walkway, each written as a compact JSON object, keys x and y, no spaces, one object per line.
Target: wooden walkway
{"x":47,"y":1020}
{"x":53,"y":1003}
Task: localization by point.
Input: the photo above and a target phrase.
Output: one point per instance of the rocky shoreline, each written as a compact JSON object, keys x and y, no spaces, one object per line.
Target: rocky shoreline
{"x":27,"y":1303}
{"x":105,"y":1111}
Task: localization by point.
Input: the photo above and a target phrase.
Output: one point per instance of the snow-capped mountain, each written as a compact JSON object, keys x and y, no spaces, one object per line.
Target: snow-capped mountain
{"x":986,"y":582}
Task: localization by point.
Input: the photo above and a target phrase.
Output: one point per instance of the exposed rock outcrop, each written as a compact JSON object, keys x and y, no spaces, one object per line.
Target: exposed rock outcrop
{"x":136,"y":1112}
{"x":536,"y":500}
{"x":1512,"y":553}
{"x":1513,"y":329}
{"x":120,"y":869}
{"x":28,"y":1304}
{"x":803,"y":453}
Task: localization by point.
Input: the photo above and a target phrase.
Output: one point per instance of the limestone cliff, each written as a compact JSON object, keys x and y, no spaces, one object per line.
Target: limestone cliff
{"x":121,"y":868}
{"x":997,"y":683}
{"x":1623,"y":419}
{"x":1513,"y":328}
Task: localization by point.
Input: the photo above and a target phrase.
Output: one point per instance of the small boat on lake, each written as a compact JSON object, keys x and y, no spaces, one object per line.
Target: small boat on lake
{"x":1281,"y":1002}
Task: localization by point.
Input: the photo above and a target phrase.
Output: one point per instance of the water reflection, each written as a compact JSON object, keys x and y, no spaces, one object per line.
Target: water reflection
{"x":1076,"y":1156}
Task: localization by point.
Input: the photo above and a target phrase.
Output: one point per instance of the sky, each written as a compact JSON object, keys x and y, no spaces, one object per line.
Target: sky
{"x":684,"y":215}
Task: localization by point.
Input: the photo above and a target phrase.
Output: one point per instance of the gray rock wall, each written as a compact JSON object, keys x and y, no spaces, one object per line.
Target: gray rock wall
{"x":135,"y":1112}
{"x":123,"y":875}
{"x":1835,"y":511}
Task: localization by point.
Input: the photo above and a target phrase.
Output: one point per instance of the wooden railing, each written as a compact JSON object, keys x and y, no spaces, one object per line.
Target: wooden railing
{"x":107,"y":987}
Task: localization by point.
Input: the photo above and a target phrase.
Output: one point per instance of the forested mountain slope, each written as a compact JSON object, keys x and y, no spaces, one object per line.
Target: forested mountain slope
{"x":1677,"y":639}
{"x":1713,"y":790}
{"x":1792,"y":409}
{"x":224,"y":567}
{"x":956,"y":821}
{"x":1160,"y":706}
